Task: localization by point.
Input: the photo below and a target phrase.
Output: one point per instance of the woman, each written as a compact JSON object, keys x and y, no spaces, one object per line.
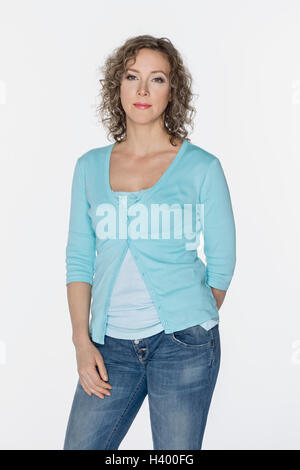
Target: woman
{"x":155,"y":309}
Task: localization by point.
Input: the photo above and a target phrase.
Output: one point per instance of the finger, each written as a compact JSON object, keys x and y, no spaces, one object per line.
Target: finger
{"x":101,"y":367}
{"x":95,"y":388}
{"x":91,"y":389}
{"x":96,"y":381}
{"x":102,"y":372}
{"x":98,"y":394}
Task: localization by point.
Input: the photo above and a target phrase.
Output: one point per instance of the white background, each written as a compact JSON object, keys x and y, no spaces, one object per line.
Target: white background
{"x":244,"y":59}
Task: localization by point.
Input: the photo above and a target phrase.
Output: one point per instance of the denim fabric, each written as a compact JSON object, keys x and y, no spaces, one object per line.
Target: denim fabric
{"x":178,"y":372}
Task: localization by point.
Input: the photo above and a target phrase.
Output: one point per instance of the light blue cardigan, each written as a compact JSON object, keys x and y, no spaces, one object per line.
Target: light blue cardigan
{"x":176,"y":278}
{"x":131,"y":313}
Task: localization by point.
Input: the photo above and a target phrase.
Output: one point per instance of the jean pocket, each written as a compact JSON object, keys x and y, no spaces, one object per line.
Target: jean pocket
{"x":193,"y":337}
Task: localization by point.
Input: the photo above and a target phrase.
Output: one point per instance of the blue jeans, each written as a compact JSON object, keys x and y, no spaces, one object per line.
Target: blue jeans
{"x":178,"y":371}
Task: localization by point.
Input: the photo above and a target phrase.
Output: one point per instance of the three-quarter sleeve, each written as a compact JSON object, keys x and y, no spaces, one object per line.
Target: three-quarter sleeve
{"x":218,"y":227}
{"x":81,"y":243}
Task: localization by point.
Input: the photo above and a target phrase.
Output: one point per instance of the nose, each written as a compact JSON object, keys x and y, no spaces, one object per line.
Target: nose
{"x":142,"y":91}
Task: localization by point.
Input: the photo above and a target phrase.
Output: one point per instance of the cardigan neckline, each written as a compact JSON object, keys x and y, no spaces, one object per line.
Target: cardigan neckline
{"x":144,"y":193}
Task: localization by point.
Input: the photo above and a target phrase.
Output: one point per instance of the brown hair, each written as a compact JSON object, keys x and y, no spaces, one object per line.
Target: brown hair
{"x":179,"y":111}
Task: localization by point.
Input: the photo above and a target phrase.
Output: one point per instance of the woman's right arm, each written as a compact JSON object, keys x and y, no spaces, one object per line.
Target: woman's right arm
{"x":87,"y":355}
{"x":80,"y":257}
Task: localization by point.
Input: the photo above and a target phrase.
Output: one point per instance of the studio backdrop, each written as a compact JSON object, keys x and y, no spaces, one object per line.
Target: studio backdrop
{"x":244,"y":59}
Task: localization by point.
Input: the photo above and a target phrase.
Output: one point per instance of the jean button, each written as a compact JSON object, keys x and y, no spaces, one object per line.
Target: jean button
{"x":136,"y":341}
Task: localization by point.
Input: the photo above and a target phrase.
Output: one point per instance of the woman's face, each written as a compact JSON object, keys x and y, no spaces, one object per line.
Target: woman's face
{"x":146,"y":82}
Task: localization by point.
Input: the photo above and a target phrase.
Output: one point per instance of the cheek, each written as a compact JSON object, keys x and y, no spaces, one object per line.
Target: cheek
{"x":127,"y":97}
{"x":127,"y":88}
{"x":125,"y":91}
{"x":160,"y":94}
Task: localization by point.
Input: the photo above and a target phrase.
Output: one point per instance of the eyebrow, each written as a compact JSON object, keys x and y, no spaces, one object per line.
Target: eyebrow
{"x":153,"y":71}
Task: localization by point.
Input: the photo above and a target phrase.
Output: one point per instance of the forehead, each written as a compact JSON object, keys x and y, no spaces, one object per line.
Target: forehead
{"x":149,"y":61}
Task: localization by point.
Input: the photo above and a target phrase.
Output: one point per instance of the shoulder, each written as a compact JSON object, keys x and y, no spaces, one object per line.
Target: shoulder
{"x":200,"y":154}
{"x":201,"y":161}
{"x":93,"y":156}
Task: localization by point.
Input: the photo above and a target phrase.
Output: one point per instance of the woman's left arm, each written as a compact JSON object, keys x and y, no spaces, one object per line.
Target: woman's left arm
{"x":219,"y":295}
{"x":219,"y":232}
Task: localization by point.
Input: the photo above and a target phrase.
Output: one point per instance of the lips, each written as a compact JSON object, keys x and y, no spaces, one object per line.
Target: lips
{"x":142,"y":105}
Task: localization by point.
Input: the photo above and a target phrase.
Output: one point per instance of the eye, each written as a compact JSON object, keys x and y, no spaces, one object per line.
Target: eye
{"x":156,"y":78}
{"x":159,"y":78}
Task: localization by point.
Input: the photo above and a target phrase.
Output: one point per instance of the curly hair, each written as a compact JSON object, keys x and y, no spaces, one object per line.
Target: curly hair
{"x":179,"y":111}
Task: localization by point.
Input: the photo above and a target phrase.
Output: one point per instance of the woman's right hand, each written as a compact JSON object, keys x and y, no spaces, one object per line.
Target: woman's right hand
{"x":92,"y":381}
